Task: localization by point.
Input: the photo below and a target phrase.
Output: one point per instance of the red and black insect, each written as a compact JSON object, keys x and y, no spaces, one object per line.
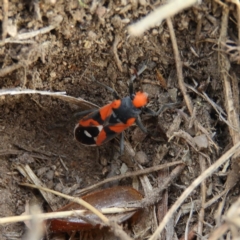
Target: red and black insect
{"x":102,"y":125}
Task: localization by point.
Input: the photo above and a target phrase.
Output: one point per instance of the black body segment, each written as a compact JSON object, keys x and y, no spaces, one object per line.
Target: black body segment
{"x":126,"y":111}
{"x":86,"y":135}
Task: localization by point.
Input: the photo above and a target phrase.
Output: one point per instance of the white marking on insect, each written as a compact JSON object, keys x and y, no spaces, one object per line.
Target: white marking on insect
{"x":87,"y":134}
{"x":100,"y":127}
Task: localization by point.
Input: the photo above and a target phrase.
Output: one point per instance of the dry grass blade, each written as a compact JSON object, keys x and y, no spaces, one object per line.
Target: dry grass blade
{"x":61,"y":95}
{"x":188,"y":221}
{"x":158,"y":15}
{"x":203,"y":198}
{"x":23,"y":36}
{"x":225,"y":66}
{"x":42,"y":216}
{"x":116,"y":57}
{"x":62,"y":214}
{"x":194,"y":184}
{"x":233,"y":219}
{"x":73,"y":199}
{"x":18,"y":91}
{"x":230,"y":104}
{"x":219,"y":232}
{"x":232,"y":223}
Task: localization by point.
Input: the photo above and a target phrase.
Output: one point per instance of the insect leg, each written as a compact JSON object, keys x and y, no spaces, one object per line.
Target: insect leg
{"x":121,"y":143}
{"x":150,"y":112}
{"x":130,"y":83}
{"x":83,"y":113}
{"x":142,"y":69}
{"x":140,"y":125}
{"x":114,"y":93}
{"x":130,"y":87}
{"x":75,"y":115}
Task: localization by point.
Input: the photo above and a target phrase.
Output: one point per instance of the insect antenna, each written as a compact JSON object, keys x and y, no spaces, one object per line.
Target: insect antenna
{"x":114,"y":93}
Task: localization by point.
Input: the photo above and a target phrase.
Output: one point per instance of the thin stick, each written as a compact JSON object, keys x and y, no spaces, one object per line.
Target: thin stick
{"x":202,"y":161}
{"x":188,"y":221}
{"x":194,"y":184}
{"x":224,"y":65}
{"x":115,"y":52}
{"x":42,"y":216}
{"x":9,"y":69}
{"x":131,"y":174}
{"x":58,"y":19}
{"x":17,"y":91}
{"x":61,"y":214}
{"x":238,"y":21}
{"x":179,"y":67}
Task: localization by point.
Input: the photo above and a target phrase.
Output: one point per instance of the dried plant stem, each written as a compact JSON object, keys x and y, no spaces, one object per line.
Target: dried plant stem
{"x":23,"y":36}
{"x":224,"y":65}
{"x":115,"y":52}
{"x":179,"y":67}
{"x":73,"y":199}
{"x":61,"y":214}
{"x":188,"y":221}
{"x":17,"y":91}
{"x":194,"y":184}
{"x":42,"y":216}
{"x":202,"y":161}
{"x":219,"y":232}
{"x":114,"y":226}
{"x":131,"y":174}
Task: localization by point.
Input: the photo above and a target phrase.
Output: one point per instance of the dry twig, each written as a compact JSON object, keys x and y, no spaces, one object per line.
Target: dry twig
{"x":23,"y":36}
{"x":115,"y":52}
{"x":61,"y":95}
{"x":179,"y":67}
{"x":233,"y":117}
{"x":17,"y":91}
{"x":194,"y":184}
{"x":224,"y":65}
{"x":131,"y":174}
{"x":202,"y":162}
{"x":188,"y":221}
{"x":61,"y":214}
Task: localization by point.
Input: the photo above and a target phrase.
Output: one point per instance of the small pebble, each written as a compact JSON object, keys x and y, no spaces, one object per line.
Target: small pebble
{"x":49,"y":175}
{"x":103,"y":161}
{"x":141,"y":158}
{"x":154,"y":32}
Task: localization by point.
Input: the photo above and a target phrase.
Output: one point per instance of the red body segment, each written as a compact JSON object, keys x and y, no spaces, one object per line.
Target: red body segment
{"x":140,"y":99}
